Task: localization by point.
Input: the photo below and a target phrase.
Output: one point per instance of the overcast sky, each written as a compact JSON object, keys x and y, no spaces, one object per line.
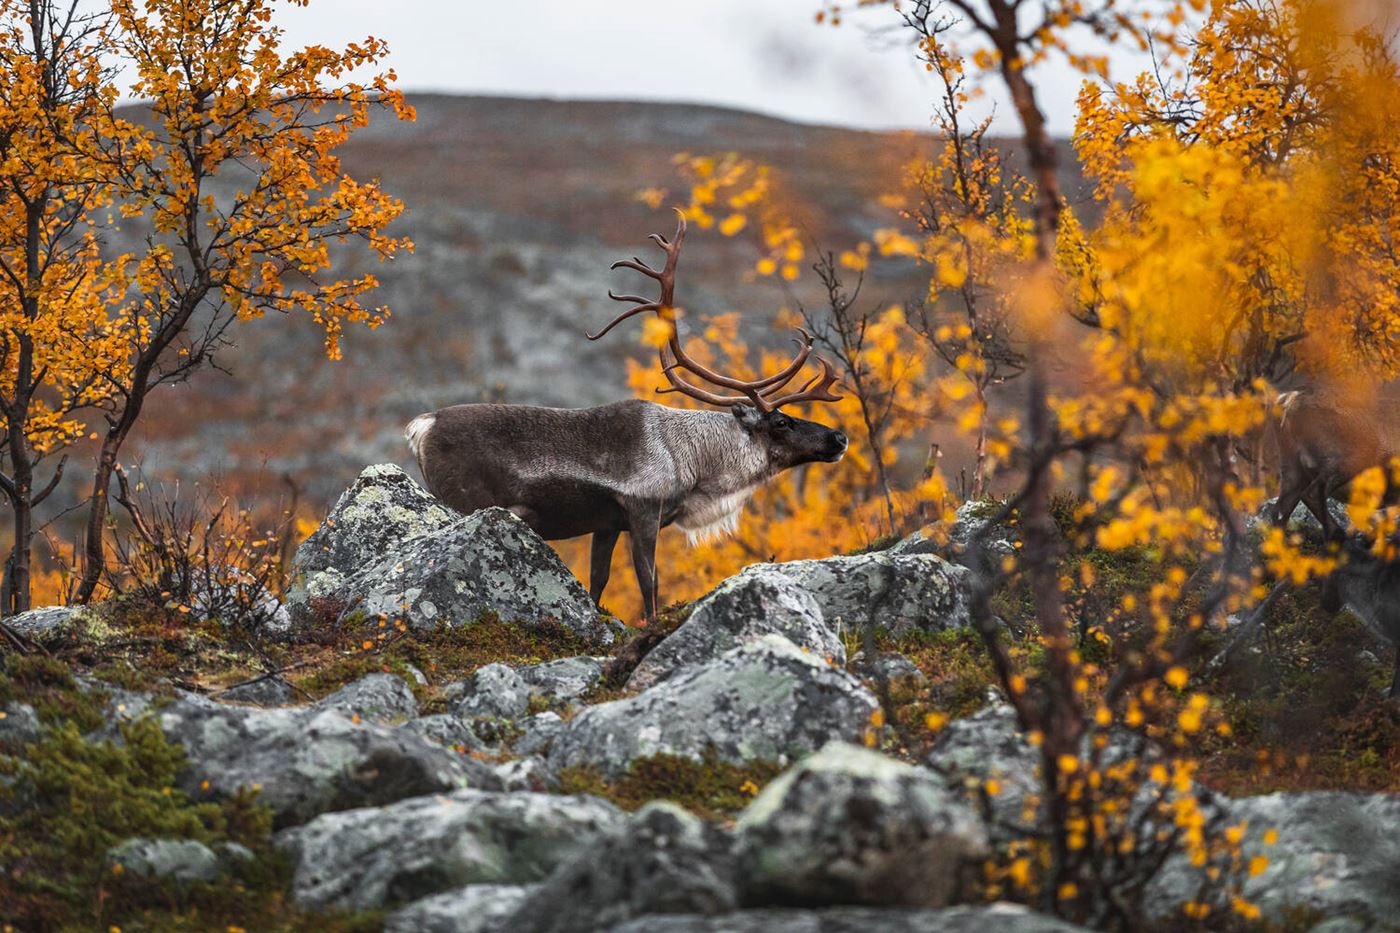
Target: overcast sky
{"x":763,"y":55}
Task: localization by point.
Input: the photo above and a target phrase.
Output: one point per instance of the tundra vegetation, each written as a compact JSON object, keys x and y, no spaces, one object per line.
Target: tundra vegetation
{"x":1115,"y":367}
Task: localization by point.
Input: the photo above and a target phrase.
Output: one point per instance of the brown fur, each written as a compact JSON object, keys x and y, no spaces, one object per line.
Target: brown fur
{"x":1323,"y":444}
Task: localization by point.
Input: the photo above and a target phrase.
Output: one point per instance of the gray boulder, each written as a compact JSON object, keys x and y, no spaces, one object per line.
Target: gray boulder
{"x":537,"y":732}
{"x":49,"y":625}
{"x":265,"y":691}
{"x":850,"y":826}
{"x":179,"y":860}
{"x":1302,"y":520}
{"x":19,"y":725}
{"x":447,"y":730}
{"x":988,"y":745}
{"x":380,"y":856}
{"x":477,"y":908}
{"x":489,"y":562}
{"x":765,"y":700}
{"x":1336,"y":853}
{"x":564,"y":680}
{"x":495,"y":691}
{"x":525,"y":774}
{"x":890,"y":668}
{"x":972,"y":526}
{"x":663,"y":860}
{"x":378,"y":697}
{"x":308,"y":761}
{"x":739,"y":610}
{"x":498,"y":691}
{"x":382,"y":508}
{"x":974,"y":536}
{"x":994,"y":918}
{"x":894,"y":592}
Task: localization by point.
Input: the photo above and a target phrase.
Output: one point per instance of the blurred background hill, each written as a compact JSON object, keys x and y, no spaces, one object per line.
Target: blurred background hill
{"x":517,"y":208}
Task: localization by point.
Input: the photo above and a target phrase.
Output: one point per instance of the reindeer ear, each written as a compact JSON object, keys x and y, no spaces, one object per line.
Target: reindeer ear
{"x":747,"y":416}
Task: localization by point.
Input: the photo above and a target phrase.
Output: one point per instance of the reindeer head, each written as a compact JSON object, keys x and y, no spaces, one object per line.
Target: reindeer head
{"x":789,"y":441}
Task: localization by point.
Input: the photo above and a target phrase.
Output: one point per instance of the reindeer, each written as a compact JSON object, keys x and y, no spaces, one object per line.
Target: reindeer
{"x":1322,"y":446}
{"x":632,"y":466}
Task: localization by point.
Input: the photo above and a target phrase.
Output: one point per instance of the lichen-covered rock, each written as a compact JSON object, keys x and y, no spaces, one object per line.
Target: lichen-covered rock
{"x":562,"y":680}
{"x":179,"y":860}
{"x":974,"y":536}
{"x":382,"y":856}
{"x":662,"y":860}
{"x":447,"y":730}
{"x":1302,"y":520}
{"x":265,"y":691}
{"x":1337,"y":854}
{"x":738,"y":610}
{"x":50,"y":625}
{"x":537,"y":732}
{"x":989,"y":745}
{"x":850,"y":826}
{"x":995,"y":918}
{"x":971,"y":539}
{"x":765,"y":700}
{"x":894,"y":592}
{"x":487,"y":562}
{"x":494,"y":691}
{"x":378,"y":697}
{"x":525,"y":774}
{"x":382,"y":508}
{"x":498,"y":691}
{"x":890,"y":668}
{"x":308,"y":761}
{"x":19,"y":725}
{"x":476,"y":908}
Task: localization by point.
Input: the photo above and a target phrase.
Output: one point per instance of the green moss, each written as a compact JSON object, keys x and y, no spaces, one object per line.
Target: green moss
{"x":443,"y":655}
{"x":66,"y":801}
{"x":958,"y":673}
{"x":882,"y":543}
{"x":710,"y":788}
{"x":1306,"y":709}
{"x":47,"y":684}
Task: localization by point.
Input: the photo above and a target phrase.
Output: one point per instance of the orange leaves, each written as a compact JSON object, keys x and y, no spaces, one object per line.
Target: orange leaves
{"x":742,"y":191}
{"x":221,"y":90}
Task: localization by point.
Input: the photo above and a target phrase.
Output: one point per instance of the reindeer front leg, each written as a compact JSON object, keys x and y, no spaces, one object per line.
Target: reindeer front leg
{"x":600,"y":563}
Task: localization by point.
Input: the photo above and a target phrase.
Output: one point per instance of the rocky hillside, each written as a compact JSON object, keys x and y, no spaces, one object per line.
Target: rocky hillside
{"x":438,"y":732}
{"x":517,"y":208}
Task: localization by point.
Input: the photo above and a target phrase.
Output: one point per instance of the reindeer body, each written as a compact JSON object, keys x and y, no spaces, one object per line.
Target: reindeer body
{"x":632,"y":466}
{"x":1322,"y":446}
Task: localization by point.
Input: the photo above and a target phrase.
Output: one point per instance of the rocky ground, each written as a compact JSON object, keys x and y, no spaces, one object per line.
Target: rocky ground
{"x":437,"y":732}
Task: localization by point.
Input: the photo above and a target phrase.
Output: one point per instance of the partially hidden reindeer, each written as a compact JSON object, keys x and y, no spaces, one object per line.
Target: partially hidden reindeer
{"x":631,"y":466}
{"x":1324,"y":444}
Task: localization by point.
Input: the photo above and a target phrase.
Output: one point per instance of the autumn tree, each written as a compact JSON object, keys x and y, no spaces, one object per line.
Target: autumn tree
{"x":57,"y":356}
{"x":1278,"y":119}
{"x":1240,"y":232}
{"x":968,"y":207}
{"x":230,"y":169}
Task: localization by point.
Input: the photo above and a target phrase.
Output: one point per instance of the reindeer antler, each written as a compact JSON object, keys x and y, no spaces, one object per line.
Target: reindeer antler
{"x":765,"y":393}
